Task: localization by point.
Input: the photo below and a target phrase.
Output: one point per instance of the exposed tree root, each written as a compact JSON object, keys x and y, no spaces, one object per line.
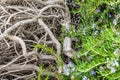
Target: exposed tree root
{"x":24,"y":23}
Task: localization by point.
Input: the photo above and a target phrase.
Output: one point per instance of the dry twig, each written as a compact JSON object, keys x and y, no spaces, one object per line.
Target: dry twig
{"x":24,"y":23}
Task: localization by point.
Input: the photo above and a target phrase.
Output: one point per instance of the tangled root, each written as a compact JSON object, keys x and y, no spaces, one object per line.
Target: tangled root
{"x":24,"y":23}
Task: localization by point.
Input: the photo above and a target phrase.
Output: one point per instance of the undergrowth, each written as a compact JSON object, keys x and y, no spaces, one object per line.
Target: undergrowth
{"x":98,"y":41}
{"x":99,"y":33}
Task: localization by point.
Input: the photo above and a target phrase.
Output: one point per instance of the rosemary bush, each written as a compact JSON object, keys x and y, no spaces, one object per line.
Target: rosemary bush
{"x":98,"y":40}
{"x":96,"y":29}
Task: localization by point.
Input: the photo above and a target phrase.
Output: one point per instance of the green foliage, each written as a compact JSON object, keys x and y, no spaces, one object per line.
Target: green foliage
{"x":39,"y":73}
{"x":49,"y":50}
{"x":100,"y":38}
{"x":44,"y":48}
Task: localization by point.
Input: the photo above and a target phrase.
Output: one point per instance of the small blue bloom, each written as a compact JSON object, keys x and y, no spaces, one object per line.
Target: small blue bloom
{"x":93,"y":73}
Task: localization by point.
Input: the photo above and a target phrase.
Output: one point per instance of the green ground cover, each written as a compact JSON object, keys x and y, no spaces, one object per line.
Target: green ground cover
{"x":98,"y":41}
{"x":98,"y":37}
